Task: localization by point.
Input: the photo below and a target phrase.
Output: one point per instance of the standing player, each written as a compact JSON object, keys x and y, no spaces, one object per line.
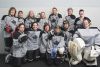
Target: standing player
{"x":10,"y":23}
{"x":43,"y":20}
{"x":29,"y":19}
{"x":20,"y":17}
{"x":55,"y":18}
{"x":70,"y":18}
{"x":79,"y":20}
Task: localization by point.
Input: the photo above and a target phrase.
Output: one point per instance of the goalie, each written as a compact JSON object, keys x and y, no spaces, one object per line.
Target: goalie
{"x":90,"y":37}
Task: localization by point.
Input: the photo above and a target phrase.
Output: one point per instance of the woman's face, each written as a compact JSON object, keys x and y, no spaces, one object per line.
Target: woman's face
{"x":57,"y":30}
{"x":86,"y":24}
{"x":47,"y":28}
{"x":31,"y":13}
{"x":70,"y":12}
{"x":21,"y":28}
{"x":43,"y":15}
{"x":12,"y":13}
{"x":66,"y":26}
{"x":35,"y":26}
{"x":20,"y":14}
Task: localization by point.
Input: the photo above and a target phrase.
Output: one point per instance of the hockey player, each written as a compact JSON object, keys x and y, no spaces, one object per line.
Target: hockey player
{"x":79,"y":20}
{"x":20,"y":17}
{"x":33,"y":42}
{"x":57,"y":45}
{"x":91,"y":37}
{"x":67,"y":32}
{"x":44,"y":47}
{"x":43,"y":20}
{"x":71,"y":18}
{"x":67,"y":37}
{"x":55,"y":18}
{"x":19,"y":47}
{"x":29,"y":19}
{"x":10,"y":23}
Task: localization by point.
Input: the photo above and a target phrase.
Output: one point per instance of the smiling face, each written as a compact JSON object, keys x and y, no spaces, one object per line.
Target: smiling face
{"x":86,"y":24}
{"x":47,"y":28}
{"x":21,"y":28}
{"x":20,"y":14}
{"x":31,"y":13}
{"x":81,"y":13}
{"x":54,"y":11}
{"x":70,"y":11}
{"x":34,"y":26}
{"x":12,"y":12}
{"x":57,"y":29}
{"x":66,"y":26}
{"x":42,"y":15}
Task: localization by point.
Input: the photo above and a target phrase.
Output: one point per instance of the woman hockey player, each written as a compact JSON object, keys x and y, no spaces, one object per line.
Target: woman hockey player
{"x":43,"y":20}
{"x":19,"y":47}
{"x":29,"y":19}
{"x":20,"y":17}
{"x":44,"y":41}
{"x":67,"y":37}
{"x":67,"y":32}
{"x":33,"y":42}
{"x":71,"y":18}
{"x":91,"y":37}
{"x":10,"y":23}
{"x":56,"y":46}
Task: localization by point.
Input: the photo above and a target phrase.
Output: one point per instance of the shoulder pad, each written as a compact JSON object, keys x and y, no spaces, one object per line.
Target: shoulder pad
{"x":72,"y":16}
{"x":3,"y":17}
{"x":59,"y":15}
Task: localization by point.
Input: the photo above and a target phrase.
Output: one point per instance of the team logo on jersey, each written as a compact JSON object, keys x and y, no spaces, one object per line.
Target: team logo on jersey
{"x":32,"y":20}
{"x":14,"y":22}
{"x":21,"y":20}
{"x":34,"y":39}
{"x":46,"y":38}
{"x":53,"y":18}
{"x":56,"y":42}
